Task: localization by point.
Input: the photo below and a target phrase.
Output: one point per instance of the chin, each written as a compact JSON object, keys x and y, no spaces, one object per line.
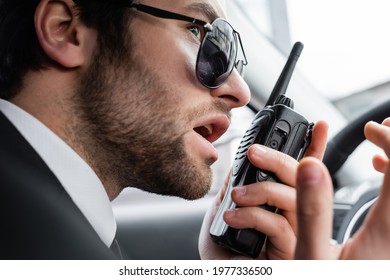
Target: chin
{"x":202,"y":188}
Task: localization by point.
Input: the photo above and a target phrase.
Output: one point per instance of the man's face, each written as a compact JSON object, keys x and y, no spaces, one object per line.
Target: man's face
{"x":152,"y":120}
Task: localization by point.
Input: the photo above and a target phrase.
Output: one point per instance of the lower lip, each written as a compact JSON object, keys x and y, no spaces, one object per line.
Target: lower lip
{"x":201,"y":146}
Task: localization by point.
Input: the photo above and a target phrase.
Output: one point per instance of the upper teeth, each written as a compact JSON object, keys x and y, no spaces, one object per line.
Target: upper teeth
{"x":205,"y":130}
{"x":209,"y":129}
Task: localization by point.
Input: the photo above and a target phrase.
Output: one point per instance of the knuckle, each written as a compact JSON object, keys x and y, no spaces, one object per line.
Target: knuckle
{"x":386,"y":143}
{"x":267,"y":193}
{"x":283,"y":225}
{"x":281,"y":160}
{"x":386,"y":135}
{"x":312,"y":211}
{"x":265,"y":189}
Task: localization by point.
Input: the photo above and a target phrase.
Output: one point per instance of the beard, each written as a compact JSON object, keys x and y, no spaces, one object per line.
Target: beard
{"x":132,"y":132}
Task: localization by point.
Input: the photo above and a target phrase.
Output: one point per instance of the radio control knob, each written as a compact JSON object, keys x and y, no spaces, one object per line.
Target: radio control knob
{"x":284,"y":100}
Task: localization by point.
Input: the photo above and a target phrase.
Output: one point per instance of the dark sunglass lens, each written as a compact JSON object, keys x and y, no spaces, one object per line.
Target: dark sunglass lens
{"x":217,"y":54}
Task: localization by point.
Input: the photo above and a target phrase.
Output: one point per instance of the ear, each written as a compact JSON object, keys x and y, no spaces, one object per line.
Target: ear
{"x":60,"y":32}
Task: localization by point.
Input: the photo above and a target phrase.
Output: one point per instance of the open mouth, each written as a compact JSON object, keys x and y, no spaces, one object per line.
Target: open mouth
{"x":212,"y":129}
{"x":204,"y":131}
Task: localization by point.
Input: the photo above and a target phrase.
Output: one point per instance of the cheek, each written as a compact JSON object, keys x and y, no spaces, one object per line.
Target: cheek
{"x":191,"y":67}
{"x":184,"y":66}
{"x":189,"y":148}
{"x":178,"y":65}
{"x":174,"y":60}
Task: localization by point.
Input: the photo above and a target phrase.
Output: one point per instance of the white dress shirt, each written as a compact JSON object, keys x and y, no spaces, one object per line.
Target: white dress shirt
{"x":75,"y":175}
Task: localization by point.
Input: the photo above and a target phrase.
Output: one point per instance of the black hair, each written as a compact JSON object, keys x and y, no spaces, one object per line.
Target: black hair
{"x":20,"y":50}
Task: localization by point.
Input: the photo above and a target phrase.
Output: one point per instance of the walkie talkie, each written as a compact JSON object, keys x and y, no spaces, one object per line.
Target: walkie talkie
{"x":279,"y":127}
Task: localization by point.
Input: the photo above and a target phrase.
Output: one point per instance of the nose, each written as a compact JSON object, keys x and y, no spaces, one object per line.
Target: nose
{"x":234,"y":92}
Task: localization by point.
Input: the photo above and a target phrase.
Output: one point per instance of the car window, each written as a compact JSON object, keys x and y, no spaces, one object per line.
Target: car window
{"x":346,"y":54}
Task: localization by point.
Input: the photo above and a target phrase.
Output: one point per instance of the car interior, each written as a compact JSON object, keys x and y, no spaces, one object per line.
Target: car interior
{"x":342,"y":77}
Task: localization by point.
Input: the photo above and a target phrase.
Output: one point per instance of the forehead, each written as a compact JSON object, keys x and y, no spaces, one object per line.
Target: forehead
{"x":208,"y":9}
{"x":219,"y":7}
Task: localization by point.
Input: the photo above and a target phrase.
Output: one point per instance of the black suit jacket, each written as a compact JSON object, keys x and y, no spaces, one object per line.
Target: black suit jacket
{"x":38,"y":219}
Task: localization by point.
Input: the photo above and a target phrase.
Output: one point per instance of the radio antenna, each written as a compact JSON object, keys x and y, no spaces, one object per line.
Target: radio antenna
{"x":284,"y":78}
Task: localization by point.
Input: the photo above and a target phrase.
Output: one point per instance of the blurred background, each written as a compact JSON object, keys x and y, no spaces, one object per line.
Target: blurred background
{"x":347,"y":46}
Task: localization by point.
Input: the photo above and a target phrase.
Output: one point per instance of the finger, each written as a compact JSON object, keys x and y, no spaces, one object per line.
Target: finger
{"x":275,"y":226}
{"x":372,"y":239}
{"x":319,"y":139}
{"x":383,"y":202}
{"x":271,"y":193}
{"x":386,"y":122}
{"x":282,"y":165}
{"x":380,"y":163}
{"x":379,"y":135}
{"x":314,"y":210}
{"x":207,"y":248}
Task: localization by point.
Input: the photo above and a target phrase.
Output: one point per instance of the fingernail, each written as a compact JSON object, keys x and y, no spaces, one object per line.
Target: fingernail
{"x":240,"y":191}
{"x":373,"y":123}
{"x":259,"y":151}
{"x":309,"y":175}
{"x":230,"y":213}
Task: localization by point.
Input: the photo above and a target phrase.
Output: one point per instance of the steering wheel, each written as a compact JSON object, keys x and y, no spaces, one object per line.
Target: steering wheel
{"x":338,"y":150}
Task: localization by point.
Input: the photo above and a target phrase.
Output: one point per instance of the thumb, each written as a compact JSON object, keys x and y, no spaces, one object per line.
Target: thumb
{"x":314,"y":210}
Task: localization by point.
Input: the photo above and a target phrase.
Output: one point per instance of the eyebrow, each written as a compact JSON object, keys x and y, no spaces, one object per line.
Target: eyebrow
{"x":205,"y":9}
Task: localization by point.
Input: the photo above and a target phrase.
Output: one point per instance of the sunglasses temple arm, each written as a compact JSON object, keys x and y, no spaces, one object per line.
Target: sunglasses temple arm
{"x":242,"y":48}
{"x":241,"y":63}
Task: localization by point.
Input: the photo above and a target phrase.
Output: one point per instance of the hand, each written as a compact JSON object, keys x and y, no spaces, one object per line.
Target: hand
{"x":315,"y":209}
{"x":279,"y":227}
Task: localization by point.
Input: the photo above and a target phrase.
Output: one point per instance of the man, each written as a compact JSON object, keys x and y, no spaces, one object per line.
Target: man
{"x":101,"y":95}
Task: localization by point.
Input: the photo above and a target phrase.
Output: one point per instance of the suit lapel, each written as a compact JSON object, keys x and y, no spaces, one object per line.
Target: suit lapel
{"x":40,"y":219}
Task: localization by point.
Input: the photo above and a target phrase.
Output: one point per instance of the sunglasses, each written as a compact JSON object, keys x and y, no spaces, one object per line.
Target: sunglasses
{"x":217,"y":54}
